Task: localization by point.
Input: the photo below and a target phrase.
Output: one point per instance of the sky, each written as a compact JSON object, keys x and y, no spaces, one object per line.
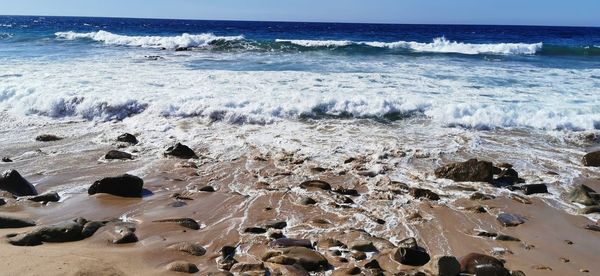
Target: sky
{"x":500,"y":12}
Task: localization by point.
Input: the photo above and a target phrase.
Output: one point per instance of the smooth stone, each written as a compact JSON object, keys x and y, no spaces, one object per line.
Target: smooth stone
{"x":90,"y":228}
{"x":12,"y":182}
{"x":592,"y":159}
{"x":411,"y":256}
{"x":192,"y":248}
{"x":307,"y":201}
{"x":249,"y":268}
{"x":123,"y":234}
{"x":67,"y":231}
{"x":287,"y":242}
{"x":480,"y":196}
{"x":47,"y":138}
{"x":117,"y":155}
{"x":255,"y":230}
{"x":363,"y":246}
{"x":469,"y":171}
{"x":510,"y":220}
{"x":306,"y":258}
{"x":127,"y":138}
{"x":592,"y":227}
{"x":348,"y":192}
{"x":47,"y":197}
{"x":181,"y":151}
{"x":502,"y":237}
{"x":507,"y":177}
{"x":275,"y":224}
{"x":534,"y":189}
{"x":491,"y":270}
{"x":315,"y":184}
{"x":470,"y":262}
{"x":183,"y":267}
{"x":12,"y":222}
{"x":125,"y":186}
{"x":347,"y":271}
{"x":445,"y":265}
{"x":185,"y":222}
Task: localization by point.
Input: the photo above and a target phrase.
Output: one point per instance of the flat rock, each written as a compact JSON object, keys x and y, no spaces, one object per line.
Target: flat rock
{"x":47,"y":138}
{"x":47,"y":197}
{"x":127,"y":138}
{"x":315,"y":184}
{"x":469,"y":171}
{"x":208,"y":189}
{"x":593,"y":227}
{"x":182,"y":266}
{"x":185,"y":222}
{"x":302,"y":256}
{"x":67,"y":231}
{"x":180,"y":151}
{"x":534,"y":189}
{"x":287,"y":242}
{"x":125,"y":186}
{"x":192,"y":248}
{"x":12,"y":222}
{"x":470,"y":262}
{"x":275,"y":224}
{"x":117,"y":155}
{"x":592,"y":159}
{"x":12,"y":182}
{"x":510,"y":220}
{"x":480,"y":196}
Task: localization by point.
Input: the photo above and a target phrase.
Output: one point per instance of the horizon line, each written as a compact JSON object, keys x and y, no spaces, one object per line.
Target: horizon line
{"x":292,"y":21}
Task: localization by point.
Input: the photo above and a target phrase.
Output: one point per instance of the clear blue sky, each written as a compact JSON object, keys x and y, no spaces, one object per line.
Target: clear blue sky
{"x":521,"y":12}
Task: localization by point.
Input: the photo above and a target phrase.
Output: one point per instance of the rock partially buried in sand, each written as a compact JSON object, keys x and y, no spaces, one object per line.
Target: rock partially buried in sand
{"x":583,"y":194}
{"x":47,"y":197}
{"x":470,"y":263}
{"x":12,"y":182}
{"x":125,"y":186}
{"x":11,"y":222}
{"x":183,"y":267}
{"x":192,"y":248}
{"x":180,"y":151}
{"x":47,"y":138}
{"x":510,"y":220}
{"x":185,"y":222}
{"x":117,"y":155}
{"x":592,"y":159}
{"x":127,"y":138}
{"x":469,"y":171}
{"x":67,"y":231}
{"x":302,"y":256}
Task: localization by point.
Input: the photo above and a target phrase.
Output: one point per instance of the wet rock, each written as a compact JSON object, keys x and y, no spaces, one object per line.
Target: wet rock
{"x":583,"y":194}
{"x":480,"y":196}
{"x":2,"y":202}
{"x":469,"y":171}
{"x":347,"y":271}
{"x":330,"y":242}
{"x":306,"y":258}
{"x":359,"y":256}
{"x":91,"y":227}
{"x":517,"y":273}
{"x":180,"y":151}
{"x":534,"y":189}
{"x":125,"y":186}
{"x":127,"y":138}
{"x":520,"y":199}
{"x":185,"y":222}
{"x":363,"y":246}
{"x":348,"y":192}
{"x":592,"y":159}
{"x":47,"y":197}
{"x":12,"y":222}
{"x":182,"y":266}
{"x":275,"y":234}
{"x":409,"y":253}
{"x":123,"y":233}
{"x":368,"y":173}
{"x":67,"y":231}
{"x":249,"y":268}
{"x":219,"y":273}
{"x":286,"y":242}
{"x":182,"y":49}
{"x":470,"y":263}
{"x":227,"y":260}
{"x":117,"y":155}
{"x":6,"y":160}
{"x":255,"y":230}
{"x":510,"y":220}
{"x":177,"y":204}
{"x":476,"y":209}
{"x":592,"y":227}
{"x":12,"y":182}
{"x":208,"y":189}
{"x":47,"y":138}
{"x":502,"y":237}
{"x":491,"y":270}
{"x":590,"y":210}
{"x":315,"y":184}
{"x":445,"y":266}
{"x":423,"y":193}
{"x":507,"y":177}
{"x":192,"y":248}
{"x":275,"y":224}
{"x":307,"y":201}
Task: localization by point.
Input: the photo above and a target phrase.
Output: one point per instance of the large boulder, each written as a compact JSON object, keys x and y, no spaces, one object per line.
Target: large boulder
{"x":125,"y":186}
{"x":592,"y":159}
{"x":302,"y":256}
{"x":12,"y":222}
{"x":12,"y":182}
{"x":470,"y":262}
{"x":180,"y":151}
{"x":583,"y":194}
{"x":469,"y":171}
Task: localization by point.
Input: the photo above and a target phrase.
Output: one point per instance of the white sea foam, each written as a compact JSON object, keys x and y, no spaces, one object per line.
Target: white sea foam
{"x":170,"y":42}
{"x":317,"y":43}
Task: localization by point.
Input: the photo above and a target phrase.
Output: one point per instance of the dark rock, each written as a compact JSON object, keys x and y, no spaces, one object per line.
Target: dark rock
{"x":91,"y":227}
{"x":227,"y":251}
{"x":412,"y":256}
{"x":47,"y":197}
{"x":275,"y":224}
{"x":6,"y":160}
{"x":347,"y":271}
{"x":125,"y":186}
{"x":47,"y":138}
{"x":2,"y":202}
{"x":363,"y":246}
{"x":177,"y":204}
{"x":477,"y":209}
{"x":307,"y":201}
{"x":11,"y":222}
{"x":592,"y":159}
{"x":208,"y":189}
{"x":469,"y":171}
{"x":192,"y":248}
{"x":315,"y":184}
{"x":445,"y":266}
{"x":326,"y":243}
{"x":593,"y":227}
{"x":583,"y":194}
{"x":373,"y":265}
{"x":275,"y":234}
{"x":480,"y":196}
{"x":420,"y":193}
{"x":127,"y":138}
{"x":306,"y":258}
{"x":181,"y":49}
{"x":255,"y":230}
{"x":502,"y":237}
{"x":590,"y":210}
{"x":180,"y":151}
{"x":534,"y":189}
{"x":359,"y":256}
{"x":67,"y":231}
{"x":349,"y":192}
{"x":226,"y":261}
{"x":183,"y":267}
{"x":507,"y":177}
{"x":185,"y":222}
{"x":517,"y":273}
{"x":491,"y":270}
{"x":470,"y":262}
{"x":123,"y":233}
{"x":510,"y":220}
{"x":285,"y":242}
{"x":117,"y":155}
{"x":12,"y":182}
{"x":249,"y":268}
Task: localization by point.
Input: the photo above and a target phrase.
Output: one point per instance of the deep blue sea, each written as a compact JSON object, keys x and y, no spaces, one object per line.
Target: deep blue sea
{"x":476,"y":77}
